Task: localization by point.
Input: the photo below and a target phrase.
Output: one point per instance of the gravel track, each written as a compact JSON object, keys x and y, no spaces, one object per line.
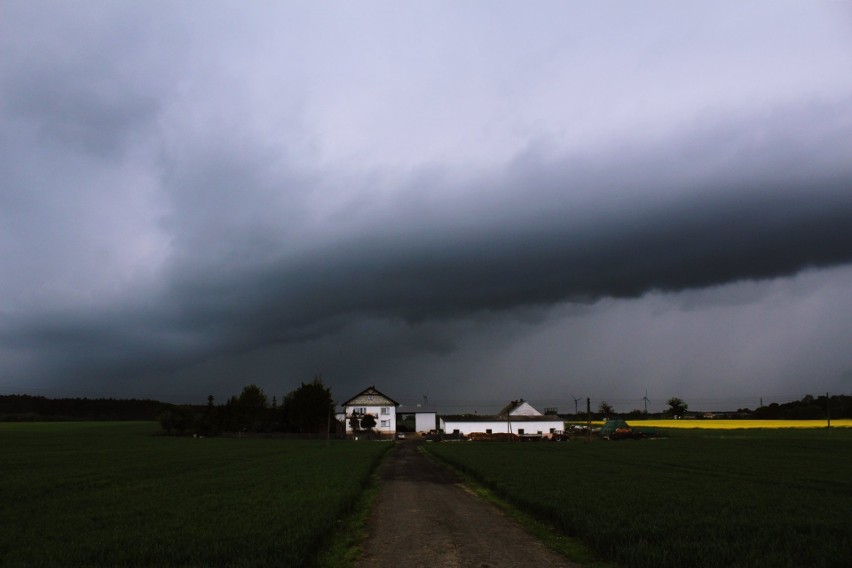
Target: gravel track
{"x":425,"y":518}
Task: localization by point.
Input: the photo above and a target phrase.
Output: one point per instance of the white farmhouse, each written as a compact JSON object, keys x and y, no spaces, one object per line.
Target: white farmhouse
{"x":518,"y":418}
{"x":371,"y":402}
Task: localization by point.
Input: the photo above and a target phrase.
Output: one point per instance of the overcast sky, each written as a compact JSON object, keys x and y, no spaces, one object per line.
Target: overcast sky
{"x":471,"y":202}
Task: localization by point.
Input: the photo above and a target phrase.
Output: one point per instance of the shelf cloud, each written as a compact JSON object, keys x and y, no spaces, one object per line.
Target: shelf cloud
{"x":196,"y":199}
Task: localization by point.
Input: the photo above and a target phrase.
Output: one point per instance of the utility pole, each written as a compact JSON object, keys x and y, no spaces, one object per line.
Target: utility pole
{"x":589,"y":418}
{"x":828,"y":412}
{"x":328,"y":430}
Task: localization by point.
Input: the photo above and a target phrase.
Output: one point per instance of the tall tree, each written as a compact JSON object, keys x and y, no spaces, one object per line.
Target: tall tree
{"x":206,"y":424}
{"x":677,"y":407}
{"x":309,"y":408}
{"x":251,"y":408}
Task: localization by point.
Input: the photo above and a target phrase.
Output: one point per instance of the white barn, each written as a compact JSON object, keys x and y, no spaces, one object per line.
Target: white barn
{"x":418,"y":422}
{"x":425,"y":422}
{"x":370,"y":401}
{"x":518,"y":418}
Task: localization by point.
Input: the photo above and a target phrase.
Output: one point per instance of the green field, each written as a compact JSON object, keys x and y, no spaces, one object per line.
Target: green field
{"x":113,"y":494}
{"x":725,"y":498}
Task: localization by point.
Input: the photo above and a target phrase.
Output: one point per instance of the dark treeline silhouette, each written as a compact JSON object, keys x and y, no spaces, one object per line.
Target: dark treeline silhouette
{"x":22,"y":407}
{"x":809,"y":408}
{"x":306,"y":411}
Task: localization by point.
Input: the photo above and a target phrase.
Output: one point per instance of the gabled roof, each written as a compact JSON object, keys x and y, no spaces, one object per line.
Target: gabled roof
{"x":519,"y":408}
{"x":370,"y":396}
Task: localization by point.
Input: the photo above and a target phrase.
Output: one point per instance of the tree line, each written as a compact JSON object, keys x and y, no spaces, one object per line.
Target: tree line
{"x":677,"y":408}
{"x":24,"y":407}
{"x":808,"y":408}
{"x":308,"y":409}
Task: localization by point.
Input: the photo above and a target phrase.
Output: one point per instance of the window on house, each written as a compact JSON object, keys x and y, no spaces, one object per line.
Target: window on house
{"x":488,"y":431}
{"x":455,"y":431}
{"x":385,"y":423}
{"x":360,"y":410}
{"x":552,"y":430}
{"x":385,"y":410}
{"x":520,"y":431}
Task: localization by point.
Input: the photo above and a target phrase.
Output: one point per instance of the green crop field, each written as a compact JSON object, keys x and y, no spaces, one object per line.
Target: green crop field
{"x":112,"y":494}
{"x":726,"y":498}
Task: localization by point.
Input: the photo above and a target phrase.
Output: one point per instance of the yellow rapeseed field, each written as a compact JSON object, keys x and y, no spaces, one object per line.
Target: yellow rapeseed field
{"x":723,"y":424}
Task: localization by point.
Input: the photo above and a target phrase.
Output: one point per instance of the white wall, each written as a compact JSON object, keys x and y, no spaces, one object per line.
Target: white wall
{"x":501,"y":426}
{"x":387,"y":429}
{"x":425,"y":421}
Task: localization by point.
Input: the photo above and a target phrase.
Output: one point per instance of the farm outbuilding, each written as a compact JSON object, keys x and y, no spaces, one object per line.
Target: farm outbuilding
{"x":518,"y":418}
{"x":417,"y":422}
{"x":425,"y":422}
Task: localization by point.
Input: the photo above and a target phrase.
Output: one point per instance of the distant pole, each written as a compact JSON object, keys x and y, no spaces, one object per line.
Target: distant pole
{"x":828,"y":412}
{"x":328,"y":430}
{"x":589,"y":418}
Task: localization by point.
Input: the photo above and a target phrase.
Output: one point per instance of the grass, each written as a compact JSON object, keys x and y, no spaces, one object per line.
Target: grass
{"x":344,"y":546}
{"x":112,"y":494}
{"x":696,"y":498}
{"x":569,"y":547}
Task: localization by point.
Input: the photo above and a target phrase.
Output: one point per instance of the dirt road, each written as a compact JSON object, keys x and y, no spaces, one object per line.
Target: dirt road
{"x":424,"y":518}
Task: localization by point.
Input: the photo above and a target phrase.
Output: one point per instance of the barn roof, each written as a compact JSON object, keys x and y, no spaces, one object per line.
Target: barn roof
{"x":500,"y":418}
{"x":519,"y":407}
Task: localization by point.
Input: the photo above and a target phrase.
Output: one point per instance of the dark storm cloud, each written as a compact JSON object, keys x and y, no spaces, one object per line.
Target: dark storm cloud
{"x":538,"y":232}
{"x":688,"y":244}
{"x":205,"y":192}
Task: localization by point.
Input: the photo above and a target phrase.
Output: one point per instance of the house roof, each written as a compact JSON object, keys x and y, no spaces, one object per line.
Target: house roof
{"x":362,"y":398}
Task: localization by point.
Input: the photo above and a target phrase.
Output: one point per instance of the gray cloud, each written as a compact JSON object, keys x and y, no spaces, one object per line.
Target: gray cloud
{"x":529,"y":239}
{"x":231,"y":289}
{"x":189,"y":202}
